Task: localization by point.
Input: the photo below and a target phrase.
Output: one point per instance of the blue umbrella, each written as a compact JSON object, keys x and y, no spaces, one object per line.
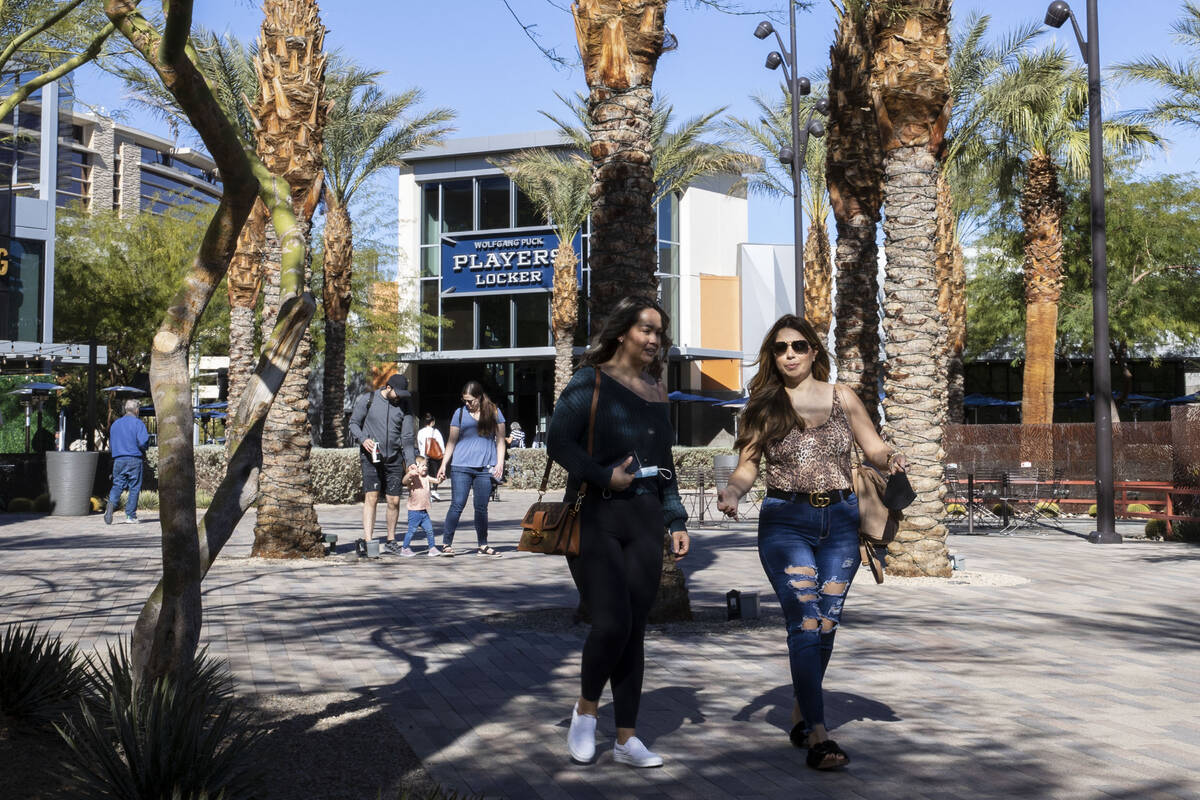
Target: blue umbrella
{"x":737,"y":402}
{"x":684,"y":397}
{"x":218,"y":404}
{"x":123,"y":389}
{"x":981,"y":401}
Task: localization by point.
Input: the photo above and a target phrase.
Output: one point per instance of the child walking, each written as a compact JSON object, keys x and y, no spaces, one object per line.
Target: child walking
{"x":419,"y":486}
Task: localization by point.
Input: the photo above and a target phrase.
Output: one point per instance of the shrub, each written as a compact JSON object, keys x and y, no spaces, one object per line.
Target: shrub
{"x":1137,"y":508}
{"x":1187,"y":531}
{"x":1047,"y":508}
{"x":337,"y":477}
{"x":956,"y":509}
{"x":147,"y":500}
{"x":1156,"y":528}
{"x":41,"y":503}
{"x":1092,"y":510}
{"x":98,"y":503}
{"x":20,"y":505}
{"x":999,"y":509}
{"x":40,"y":678}
{"x":179,"y":737}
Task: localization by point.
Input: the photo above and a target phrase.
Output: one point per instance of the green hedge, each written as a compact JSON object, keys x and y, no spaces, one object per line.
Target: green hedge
{"x":337,"y":477}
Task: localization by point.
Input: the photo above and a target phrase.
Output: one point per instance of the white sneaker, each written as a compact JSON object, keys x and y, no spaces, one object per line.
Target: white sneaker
{"x":635,"y":754}
{"x":131,"y":520}
{"x":435,"y":495}
{"x":434,"y":552}
{"x":407,"y":552}
{"x":581,"y":738}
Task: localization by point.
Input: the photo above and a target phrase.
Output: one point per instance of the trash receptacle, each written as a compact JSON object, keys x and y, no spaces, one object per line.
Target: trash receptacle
{"x":69,"y":477}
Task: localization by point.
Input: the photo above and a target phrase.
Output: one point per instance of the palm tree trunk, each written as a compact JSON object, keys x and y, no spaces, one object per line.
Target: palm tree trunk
{"x":1042,"y":209}
{"x":339,"y":261}
{"x":854,"y":176}
{"x":951,"y":295}
{"x":564,"y":312}
{"x":620,"y":42}
{"x":287,"y":522}
{"x":911,"y":88}
{"x":818,"y":278}
{"x":244,"y":284}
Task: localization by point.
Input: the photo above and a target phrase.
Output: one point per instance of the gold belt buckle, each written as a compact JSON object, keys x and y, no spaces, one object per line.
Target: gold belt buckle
{"x":818,"y":499}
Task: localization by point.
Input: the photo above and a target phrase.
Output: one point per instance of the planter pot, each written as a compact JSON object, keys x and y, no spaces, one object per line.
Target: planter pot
{"x":69,"y":476}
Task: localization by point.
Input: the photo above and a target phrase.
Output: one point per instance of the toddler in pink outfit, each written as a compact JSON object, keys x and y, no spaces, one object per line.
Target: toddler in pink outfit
{"x":419,"y":486}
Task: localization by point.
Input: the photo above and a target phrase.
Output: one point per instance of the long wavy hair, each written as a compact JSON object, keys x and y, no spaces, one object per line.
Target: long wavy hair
{"x":769,"y":415}
{"x":618,"y":322}
{"x":487,"y":409}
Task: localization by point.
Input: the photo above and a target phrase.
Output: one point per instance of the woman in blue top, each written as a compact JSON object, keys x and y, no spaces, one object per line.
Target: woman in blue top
{"x":475,"y":456}
{"x":631,"y":501}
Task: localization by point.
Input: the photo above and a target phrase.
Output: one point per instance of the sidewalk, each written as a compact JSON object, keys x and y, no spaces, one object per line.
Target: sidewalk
{"x":1064,"y":669}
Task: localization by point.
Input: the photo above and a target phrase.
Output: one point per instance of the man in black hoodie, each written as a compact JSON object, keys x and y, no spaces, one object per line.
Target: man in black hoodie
{"x":386,"y":432}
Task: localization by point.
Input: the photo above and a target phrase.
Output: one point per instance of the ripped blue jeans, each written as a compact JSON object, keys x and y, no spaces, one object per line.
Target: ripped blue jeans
{"x":811,"y":556}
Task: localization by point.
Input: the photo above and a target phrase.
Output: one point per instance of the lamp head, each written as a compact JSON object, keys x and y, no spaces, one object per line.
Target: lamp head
{"x":1057,"y":14}
{"x":786,"y":155}
{"x":822,"y":106}
{"x":774,"y":59}
{"x":763,"y":30}
{"x":816,"y":128}
{"x":803,"y":85}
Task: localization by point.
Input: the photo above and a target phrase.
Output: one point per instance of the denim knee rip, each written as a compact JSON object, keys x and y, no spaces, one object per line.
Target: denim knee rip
{"x":805,"y":584}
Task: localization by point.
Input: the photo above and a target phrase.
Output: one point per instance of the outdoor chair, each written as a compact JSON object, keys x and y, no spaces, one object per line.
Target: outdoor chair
{"x":979,"y":495}
{"x":697,"y":495}
{"x":1032,"y":494}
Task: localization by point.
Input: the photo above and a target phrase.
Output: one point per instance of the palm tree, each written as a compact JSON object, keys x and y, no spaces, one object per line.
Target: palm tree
{"x":559,"y":187}
{"x":1037,"y":127}
{"x":910,"y":86}
{"x":620,"y":42}
{"x":1181,"y":80}
{"x":854,"y":174}
{"x":290,"y":113}
{"x":975,"y":64}
{"x":367,"y":131}
{"x":764,"y":137}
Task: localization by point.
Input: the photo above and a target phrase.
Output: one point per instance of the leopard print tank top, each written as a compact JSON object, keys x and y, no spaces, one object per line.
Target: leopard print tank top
{"x":814,"y":459}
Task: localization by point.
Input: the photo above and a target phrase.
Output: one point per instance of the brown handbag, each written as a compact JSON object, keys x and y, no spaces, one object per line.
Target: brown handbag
{"x":877,"y":524}
{"x":554,"y":528}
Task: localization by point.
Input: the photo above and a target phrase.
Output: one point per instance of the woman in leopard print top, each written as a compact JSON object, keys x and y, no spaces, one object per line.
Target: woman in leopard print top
{"x":805,"y":427}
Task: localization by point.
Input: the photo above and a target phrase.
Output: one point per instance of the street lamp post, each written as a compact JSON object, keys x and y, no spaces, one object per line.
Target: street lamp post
{"x":795,"y":154}
{"x":1056,"y":15}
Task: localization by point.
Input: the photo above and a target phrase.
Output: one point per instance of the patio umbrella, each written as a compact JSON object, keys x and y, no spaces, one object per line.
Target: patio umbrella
{"x":124,"y":390}
{"x":38,"y":387}
{"x":209,"y":406}
{"x":30,"y":390}
{"x":684,"y":397}
{"x":983,"y":401}
{"x":737,"y":402}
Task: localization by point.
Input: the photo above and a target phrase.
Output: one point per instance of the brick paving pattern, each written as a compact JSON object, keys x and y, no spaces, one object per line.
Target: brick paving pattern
{"x":1080,"y":680}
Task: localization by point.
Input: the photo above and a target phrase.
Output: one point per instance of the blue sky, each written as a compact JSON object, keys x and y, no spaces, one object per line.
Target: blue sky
{"x":471,"y":55}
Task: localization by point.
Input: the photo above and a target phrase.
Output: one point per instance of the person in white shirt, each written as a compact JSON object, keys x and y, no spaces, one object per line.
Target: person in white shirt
{"x":431,"y":446}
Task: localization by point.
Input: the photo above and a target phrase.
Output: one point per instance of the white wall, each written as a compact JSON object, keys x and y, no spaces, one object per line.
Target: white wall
{"x":713,"y":221}
{"x":408,"y":252}
{"x":768,"y":285}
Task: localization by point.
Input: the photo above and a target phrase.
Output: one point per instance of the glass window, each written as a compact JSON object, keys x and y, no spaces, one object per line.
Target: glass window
{"x":668,"y":219}
{"x":533,"y":319}
{"x":495,"y":322}
{"x":494,"y":203}
{"x":431,"y":261}
{"x":457,"y":204}
{"x":21,"y":292}
{"x":460,"y":313}
{"x":527,"y":214}
{"x":429,"y":214}
{"x":429,"y":305}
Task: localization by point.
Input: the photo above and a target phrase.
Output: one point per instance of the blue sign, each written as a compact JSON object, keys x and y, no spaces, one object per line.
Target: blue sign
{"x":508,"y":263}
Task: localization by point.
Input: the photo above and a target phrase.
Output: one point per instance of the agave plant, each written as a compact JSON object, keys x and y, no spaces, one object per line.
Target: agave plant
{"x":40,"y":677}
{"x":180,"y":737}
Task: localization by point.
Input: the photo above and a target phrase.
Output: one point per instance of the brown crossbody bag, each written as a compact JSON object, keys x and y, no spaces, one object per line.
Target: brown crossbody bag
{"x":554,"y":528}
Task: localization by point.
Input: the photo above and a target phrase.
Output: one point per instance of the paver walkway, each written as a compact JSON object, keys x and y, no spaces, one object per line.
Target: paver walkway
{"x":1079,"y":678}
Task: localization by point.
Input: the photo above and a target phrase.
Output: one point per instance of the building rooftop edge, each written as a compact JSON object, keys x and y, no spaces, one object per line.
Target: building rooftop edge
{"x":478,"y":145}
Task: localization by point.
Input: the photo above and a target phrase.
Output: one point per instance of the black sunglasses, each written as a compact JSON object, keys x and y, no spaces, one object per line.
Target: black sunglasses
{"x":799,"y":347}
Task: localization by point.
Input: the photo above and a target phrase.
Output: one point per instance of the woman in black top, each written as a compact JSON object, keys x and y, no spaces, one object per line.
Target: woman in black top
{"x":624,"y":514}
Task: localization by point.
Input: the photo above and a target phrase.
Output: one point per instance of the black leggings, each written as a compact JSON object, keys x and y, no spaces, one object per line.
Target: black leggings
{"x":618,"y":568}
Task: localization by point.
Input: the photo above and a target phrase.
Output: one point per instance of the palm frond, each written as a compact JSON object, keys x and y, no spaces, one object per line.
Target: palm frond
{"x":558,"y":185}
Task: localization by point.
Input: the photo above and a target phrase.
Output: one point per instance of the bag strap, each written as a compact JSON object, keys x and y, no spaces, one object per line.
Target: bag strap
{"x":591,"y":441}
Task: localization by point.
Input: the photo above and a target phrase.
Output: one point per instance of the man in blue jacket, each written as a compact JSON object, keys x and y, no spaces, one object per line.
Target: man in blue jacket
{"x":386,"y":431}
{"x":128,"y":439}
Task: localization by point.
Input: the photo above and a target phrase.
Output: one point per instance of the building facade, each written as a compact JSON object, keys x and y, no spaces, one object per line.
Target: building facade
{"x":475,"y":254}
{"x":53,"y":157}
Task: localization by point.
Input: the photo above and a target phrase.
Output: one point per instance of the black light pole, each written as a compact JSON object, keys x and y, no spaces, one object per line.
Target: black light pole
{"x":1106,"y":519}
{"x":794,"y":155}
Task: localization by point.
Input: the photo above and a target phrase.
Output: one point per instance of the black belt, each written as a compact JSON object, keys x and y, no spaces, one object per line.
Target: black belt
{"x":815,"y":499}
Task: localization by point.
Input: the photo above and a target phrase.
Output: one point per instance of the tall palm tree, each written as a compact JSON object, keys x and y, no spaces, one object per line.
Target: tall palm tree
{"x":976,"y":64}
{"x":764,"y":137}
{"x":367,"y":131}
{"x":854,"y":174}
{"x":620,"y":42}
{"x":910,"y":86}
{"x":290,"y":113}
{"x":559,"y":187}
{"x":1037,"y":128}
